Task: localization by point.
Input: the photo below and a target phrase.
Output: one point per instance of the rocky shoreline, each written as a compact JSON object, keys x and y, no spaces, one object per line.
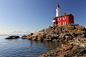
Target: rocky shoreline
{"x":67,"y":50}
{"x":75,"y":35}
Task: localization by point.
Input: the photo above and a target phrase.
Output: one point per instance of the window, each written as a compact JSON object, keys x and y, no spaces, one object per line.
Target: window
{"x":64,"y":17}
{"x":59,"y":18}
{"x":64,"y":23}
{"x":59,"y":23}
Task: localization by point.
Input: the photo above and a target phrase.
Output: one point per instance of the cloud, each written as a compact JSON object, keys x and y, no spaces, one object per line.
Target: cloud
{"x":15,"y":32}
{"x":20,"y":32}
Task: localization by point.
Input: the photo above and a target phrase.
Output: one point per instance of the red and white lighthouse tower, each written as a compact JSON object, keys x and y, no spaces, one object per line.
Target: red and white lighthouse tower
{"x":58,"y":10}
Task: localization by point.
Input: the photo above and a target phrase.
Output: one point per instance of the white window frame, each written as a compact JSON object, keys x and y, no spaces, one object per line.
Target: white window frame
{"x":58,"y":18}
{"x":64,"y":17}
{"x":59,"y":23}
{"x":64,"y":22}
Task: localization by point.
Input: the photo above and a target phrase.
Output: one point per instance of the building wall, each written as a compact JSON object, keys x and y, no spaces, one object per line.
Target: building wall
{"x":71,"y":18}
{"x":66,"y":20}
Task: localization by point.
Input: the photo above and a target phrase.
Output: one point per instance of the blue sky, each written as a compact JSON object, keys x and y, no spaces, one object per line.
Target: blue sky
{"x":24,"y":16}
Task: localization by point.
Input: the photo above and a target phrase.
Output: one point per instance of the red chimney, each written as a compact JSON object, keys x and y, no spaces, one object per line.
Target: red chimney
{"x":64,"y":13}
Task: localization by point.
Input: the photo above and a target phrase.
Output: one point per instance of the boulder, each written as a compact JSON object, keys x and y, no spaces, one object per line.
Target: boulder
{"x":24,"y":37}
{"x":62,"y":35}
{"x":15,"y":37}
{"x":47,"y":39}
{"x":34,"y":38}
{"x":39,"y":33}
{"x":12,"y":37}
{"x":83,"y":35}
{"x":56,"y":40}
{"x":49,"y":31}
{"x":63,"y":46}
{"x":54,"y":36}
{"x":79,"y":27}
{"x":56,"y":31}
{"x":40,"y":38}
{"x":80,"y":40}
{"x":68,"y":38}
{"x":68,"y":47}
{"x":29,"y":38}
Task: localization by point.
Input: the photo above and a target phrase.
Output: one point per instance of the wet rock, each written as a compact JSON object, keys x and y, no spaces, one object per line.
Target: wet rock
{"x":55,"y":40}
{"x":40,"y":39}
{"x":44,"y":55}
{"x":47,"y":36}
{"x":12,"y":37}
{"x":29,"y":38}
{"x":24,"y":37}
{"x":34,"y":38}
{"x":47,"y":40}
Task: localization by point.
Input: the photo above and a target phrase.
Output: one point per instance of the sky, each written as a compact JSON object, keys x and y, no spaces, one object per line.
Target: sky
{"x":26,"y":16}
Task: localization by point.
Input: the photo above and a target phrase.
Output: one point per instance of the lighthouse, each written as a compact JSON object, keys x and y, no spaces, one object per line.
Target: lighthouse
{"x":66,"y":19}
{"x":58,"y":10}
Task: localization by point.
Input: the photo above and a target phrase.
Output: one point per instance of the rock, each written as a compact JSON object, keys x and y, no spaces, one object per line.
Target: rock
{"x":15,"y":37}
{"x":40,"y":38}
{"x":68,"y":38}
{"x":68,"y":47}
{"x":29,"y":38}
{"x":24,"y":37}
{"x":80,"y":40}
{"x":34,"y":38}
{"x":44,"y":55}
{"x":12,"y":37}
{"x":54,"y":36}
{"x":47,"y":36}
{"x":56,"y":31}
{"x":49,"y":31}
{"x":39,"y":34}
{"x":55,"y":40}
{"x":47,"y":40}
{"x":74,"y":47}
{"x":83,"y":35}
{"x":62,"y":35}
{"x":79,"y":27}
{"x":63,"y":46}
{"x":30,"y":35}
{"x":69,"y":27}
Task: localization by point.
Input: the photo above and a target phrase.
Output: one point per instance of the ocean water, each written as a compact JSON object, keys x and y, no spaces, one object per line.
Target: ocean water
{"x":24,"y":47}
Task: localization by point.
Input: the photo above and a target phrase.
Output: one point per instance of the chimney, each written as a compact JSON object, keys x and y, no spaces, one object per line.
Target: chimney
{"x":64,"y":13}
